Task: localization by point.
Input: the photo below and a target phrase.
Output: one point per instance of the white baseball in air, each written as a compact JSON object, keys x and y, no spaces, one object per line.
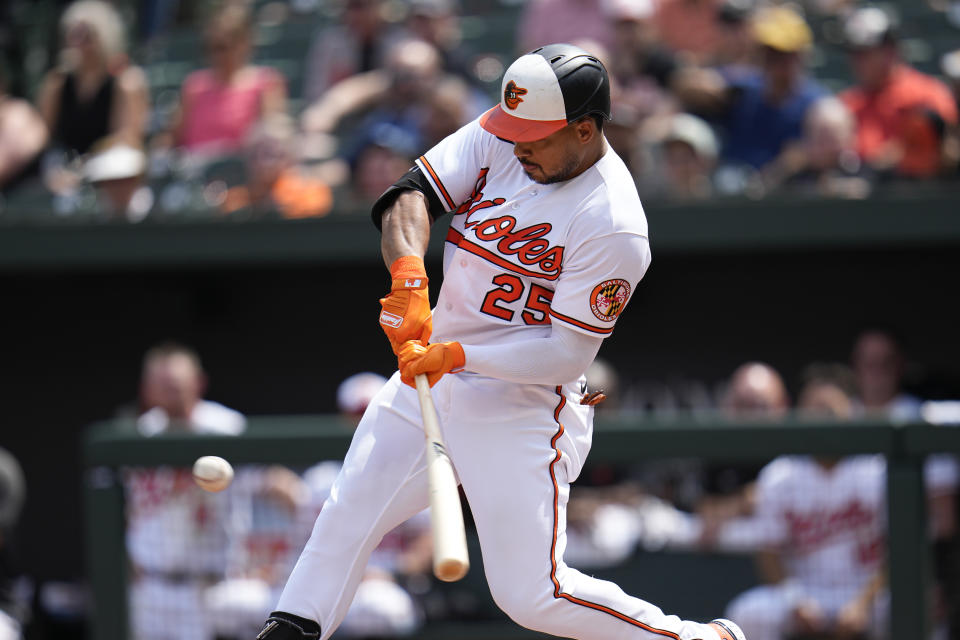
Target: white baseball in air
{"x":212,"y":473}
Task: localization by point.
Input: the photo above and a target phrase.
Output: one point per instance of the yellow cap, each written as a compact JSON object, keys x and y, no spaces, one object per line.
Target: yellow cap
{"x":782,"y":29}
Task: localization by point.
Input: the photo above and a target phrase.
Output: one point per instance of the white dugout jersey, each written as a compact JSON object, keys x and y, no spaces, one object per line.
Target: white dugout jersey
{"x":832,"y":523}
{"x":520,"y":255}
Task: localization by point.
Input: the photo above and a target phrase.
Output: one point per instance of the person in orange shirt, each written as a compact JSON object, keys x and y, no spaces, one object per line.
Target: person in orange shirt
{"x":274,"y":182}
{"x":902,"y":115}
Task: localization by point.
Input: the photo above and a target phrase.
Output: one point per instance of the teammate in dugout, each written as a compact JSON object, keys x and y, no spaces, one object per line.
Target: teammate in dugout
{"x":547,"y":242}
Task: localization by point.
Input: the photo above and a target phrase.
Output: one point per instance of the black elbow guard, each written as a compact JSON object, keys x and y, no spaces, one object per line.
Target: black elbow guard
{"x":412,"y":180}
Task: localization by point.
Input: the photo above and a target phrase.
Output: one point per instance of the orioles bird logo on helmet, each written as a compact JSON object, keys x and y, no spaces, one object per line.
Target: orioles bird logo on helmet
{"x":512,"y":93}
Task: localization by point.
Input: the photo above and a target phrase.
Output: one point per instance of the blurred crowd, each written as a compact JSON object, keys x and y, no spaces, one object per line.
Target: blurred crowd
{"x":816,"y":524}
{"x":209,"y":566}
{"x":214,"y":563}
{"x":201,"y":114}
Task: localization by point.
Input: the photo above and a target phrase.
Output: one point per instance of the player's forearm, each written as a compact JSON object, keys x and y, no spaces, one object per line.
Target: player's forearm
{"x":561,"y":357}
{"x":406,"y":227}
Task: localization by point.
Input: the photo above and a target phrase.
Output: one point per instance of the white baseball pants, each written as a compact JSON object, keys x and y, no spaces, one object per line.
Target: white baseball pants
{"x":515,"y":448}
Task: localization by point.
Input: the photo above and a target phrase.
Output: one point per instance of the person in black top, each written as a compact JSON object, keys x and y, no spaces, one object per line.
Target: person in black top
{"x":94,"y":93}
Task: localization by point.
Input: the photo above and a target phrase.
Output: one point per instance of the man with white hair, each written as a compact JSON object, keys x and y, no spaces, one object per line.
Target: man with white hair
{"x":94,"y":93}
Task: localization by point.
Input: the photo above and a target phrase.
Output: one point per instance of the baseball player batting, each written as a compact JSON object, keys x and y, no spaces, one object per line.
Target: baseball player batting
{"x":547,"y":242}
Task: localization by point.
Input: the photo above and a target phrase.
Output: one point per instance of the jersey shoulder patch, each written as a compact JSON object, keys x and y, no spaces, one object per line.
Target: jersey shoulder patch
{"x":609,"y":298}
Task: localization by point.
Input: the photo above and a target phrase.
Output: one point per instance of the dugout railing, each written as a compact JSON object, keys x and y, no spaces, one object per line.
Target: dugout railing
{"x":301,"y":441}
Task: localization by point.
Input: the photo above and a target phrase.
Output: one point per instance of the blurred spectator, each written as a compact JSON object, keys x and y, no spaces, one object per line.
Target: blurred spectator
{"x":755,"y":392}
{"x":270,"y":520}
{"x":359,"y":43}
{"x":171,"y":394}
{"x":219,"y":105}
{"x":902,"y":114}
{"x":825,"y":397}
{"x":387,"y":152}
{"x":23,"y":135}
{"x":272,"y":512}
{"x":640,"y":68}
{"x":177,"y":534}
{"x":879,"y":364}
{"x":547,"y":21}
{"x":825,"y":163}
{"x":356,"y":392}
{"x":117,"y":173}
{"x":412,"y":97}
{"x":689,"y":27}
{"x":451,"y":107}
{"x":821,"y":526}
{"x":436,"y":22}
{"x":274,"y":181}
{"x":205,"y":565}
{"x":735,"y":47}
{"x":761,"y":111}
{"x":94,"y":93}
{"x":686,"y":155}
{"x":12,"y":495}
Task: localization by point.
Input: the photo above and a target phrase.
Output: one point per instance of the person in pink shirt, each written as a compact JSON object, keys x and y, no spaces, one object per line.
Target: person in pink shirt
{"x":220,"y":104}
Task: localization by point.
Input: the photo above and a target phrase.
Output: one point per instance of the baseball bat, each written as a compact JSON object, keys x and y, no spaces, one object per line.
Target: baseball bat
{"x":450,"y":559}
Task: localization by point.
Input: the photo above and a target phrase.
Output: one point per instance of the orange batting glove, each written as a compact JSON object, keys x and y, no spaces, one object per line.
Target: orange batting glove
{"x":406,"y":309}
{"x":433,"y":360}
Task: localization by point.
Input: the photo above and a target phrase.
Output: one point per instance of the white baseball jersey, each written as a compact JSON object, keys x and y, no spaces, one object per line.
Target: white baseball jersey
{"x":520,"y":255}
{"x":177,"y":534}
{"x":830,"y":523}
{"x":830,"y":526}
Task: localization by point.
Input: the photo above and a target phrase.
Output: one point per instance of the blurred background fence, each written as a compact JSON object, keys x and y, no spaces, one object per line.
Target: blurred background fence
{"x":691,"y":582}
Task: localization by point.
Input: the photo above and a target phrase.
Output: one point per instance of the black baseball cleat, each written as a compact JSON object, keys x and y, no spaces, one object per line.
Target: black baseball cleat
{"x":286,"y":626}
{"x":726,"y":629}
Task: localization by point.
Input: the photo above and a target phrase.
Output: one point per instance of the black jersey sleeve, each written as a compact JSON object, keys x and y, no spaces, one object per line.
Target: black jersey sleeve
{"x":412,"y":180}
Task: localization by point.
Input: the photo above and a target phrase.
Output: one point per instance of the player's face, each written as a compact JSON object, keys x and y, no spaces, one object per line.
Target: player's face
{"x":560,"y":156}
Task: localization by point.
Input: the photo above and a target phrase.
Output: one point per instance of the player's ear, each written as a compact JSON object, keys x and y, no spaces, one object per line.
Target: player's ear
{"x":586,"y":129}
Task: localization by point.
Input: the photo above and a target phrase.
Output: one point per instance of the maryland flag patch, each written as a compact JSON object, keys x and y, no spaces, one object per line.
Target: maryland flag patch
{"x":609,"y":298}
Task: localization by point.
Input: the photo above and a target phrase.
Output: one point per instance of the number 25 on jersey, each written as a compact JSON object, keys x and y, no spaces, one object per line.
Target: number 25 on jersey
{"x":509,"y":289}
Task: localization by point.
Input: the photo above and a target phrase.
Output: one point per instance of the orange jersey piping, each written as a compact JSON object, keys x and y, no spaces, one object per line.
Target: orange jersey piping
{"x":436,"y":181}
{"x":583,"y":325}
{"x":553,"y":545}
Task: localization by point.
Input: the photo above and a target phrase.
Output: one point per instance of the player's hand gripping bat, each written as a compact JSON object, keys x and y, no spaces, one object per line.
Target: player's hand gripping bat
{"x":450,"y":560}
